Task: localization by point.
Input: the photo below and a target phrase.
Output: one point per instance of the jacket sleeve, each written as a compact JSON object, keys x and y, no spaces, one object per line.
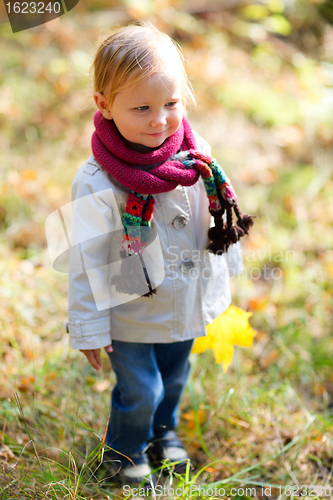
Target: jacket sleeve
{"x":233,"y":256}
{"x":92,"y":225}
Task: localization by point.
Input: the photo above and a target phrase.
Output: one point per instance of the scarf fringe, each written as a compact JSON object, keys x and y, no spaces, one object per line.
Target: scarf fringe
{"x":222,"y":235}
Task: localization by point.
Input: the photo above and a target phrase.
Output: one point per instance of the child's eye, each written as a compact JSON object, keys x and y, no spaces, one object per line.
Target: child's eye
{"x":170,"y":104}
{"x":142,"y":108}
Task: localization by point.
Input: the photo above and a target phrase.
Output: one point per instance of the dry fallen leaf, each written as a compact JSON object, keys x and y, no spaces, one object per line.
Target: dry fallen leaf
{"x":258,"y":304}
{"x":6,"y":453}
{"x":101,"y":385}
{"x":190,"y":418}
{"x":29,"y":174}
{"x":26,"y":383}
{"x":271,"y":358}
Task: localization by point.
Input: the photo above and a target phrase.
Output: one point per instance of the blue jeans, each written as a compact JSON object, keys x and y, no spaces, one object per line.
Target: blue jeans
{"x":145,"y":400}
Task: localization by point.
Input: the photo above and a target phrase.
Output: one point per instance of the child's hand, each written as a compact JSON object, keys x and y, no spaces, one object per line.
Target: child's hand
{"x":94,"y":356}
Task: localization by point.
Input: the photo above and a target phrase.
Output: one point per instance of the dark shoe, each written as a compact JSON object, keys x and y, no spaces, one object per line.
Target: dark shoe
{"x":133,"y":470}
{"x":169,"y":447}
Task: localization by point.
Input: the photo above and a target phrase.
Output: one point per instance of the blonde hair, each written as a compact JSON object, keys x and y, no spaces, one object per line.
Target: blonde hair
{"x":130,"y":55}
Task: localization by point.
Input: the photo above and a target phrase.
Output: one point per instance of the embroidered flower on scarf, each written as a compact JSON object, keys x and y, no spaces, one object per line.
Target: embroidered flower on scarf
{"x":134,"y":208}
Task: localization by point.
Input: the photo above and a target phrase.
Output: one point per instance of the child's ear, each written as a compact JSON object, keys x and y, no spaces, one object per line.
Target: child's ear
{"x":102,"y":105}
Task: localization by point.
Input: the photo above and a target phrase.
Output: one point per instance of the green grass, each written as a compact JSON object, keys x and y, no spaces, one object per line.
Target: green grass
{"x":256,"y":430}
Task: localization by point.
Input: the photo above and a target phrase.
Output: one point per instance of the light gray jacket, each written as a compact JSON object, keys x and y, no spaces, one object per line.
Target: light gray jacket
{"x":193,"y":285}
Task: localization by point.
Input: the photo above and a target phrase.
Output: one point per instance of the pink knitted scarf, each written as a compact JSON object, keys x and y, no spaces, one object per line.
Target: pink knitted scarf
{"x":119,"y":160}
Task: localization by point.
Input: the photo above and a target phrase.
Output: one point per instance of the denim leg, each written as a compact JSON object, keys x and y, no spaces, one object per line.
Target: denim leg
{"x":173,"y":363}
{"x":135,"y":397}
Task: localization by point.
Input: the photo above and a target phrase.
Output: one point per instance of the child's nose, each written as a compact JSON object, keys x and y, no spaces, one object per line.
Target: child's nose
{"x":158,"y":120}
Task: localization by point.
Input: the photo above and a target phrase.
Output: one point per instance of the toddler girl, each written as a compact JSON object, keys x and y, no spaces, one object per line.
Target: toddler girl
{"x":142,"y":283}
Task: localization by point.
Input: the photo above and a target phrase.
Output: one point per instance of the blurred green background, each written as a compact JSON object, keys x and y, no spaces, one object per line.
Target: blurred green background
{"x":263,"y":76}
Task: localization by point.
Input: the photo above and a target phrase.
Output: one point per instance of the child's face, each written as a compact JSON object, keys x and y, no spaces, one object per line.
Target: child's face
{"x":151,"y":111}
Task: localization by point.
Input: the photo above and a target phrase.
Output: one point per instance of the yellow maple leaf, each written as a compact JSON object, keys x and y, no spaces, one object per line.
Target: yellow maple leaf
{"x":201,"y":344}
{"x":229,"y":329}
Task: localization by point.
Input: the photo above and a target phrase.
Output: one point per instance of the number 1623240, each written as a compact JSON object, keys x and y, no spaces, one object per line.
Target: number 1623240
{"x":297,"y":490}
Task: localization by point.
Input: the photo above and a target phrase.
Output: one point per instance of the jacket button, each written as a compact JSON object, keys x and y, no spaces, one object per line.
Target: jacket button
{"x":179,"y":222}
{"x":186,"y":265}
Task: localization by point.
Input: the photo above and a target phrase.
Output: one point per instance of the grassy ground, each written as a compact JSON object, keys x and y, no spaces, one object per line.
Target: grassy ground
{"x":265,"y":105}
